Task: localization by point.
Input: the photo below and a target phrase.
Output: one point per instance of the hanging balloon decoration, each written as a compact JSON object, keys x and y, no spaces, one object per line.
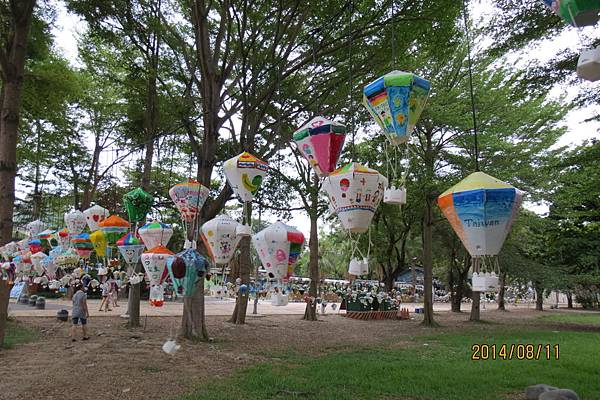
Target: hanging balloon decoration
{"x":355,"y":192}
{"x":99,"y":242}
{"x":114,"y":227}
{"x":94,"y":215}
{"x":155,"y":262}
{"x":131,"y":249}
{"x":155,"y":234}
{"x":185,"y":269}
{"x":47,"y":238}
{"x":278,"y":247}
{"x":580,"y":13}
{"x":35,"y":245}
{"x":35,"y":227}
{"x":36,"y":261}
{"x":245,"y":173}
{"x":481,"y":210}
{"x":83,"y":245}
{"x":137,"y":204}
{"x":221,"y":237}
{"x":320,"y":141}
{"x":396,"y":101}
{"x":64,"y":239}
{"x":75,"y":221}
{"x":189,"y":197}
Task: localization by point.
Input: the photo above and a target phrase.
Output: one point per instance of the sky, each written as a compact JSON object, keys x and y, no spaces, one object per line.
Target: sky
{"x":68,"y":27}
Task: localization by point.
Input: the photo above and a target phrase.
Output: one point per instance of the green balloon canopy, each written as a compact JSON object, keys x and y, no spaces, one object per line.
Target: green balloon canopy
{"x":137,"y":204}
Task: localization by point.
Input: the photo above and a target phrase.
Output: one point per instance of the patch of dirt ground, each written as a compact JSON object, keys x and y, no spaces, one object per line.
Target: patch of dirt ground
{"x":119,"y":363}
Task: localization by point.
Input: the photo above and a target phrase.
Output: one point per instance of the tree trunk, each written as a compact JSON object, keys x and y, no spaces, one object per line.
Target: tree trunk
{"x":501,"y":302}
{"x":428,"y":263}
{"x":241,"y":304}
{"x":539,"y":298}
{"x":4,"y":299}
{"x":475,"y":296}
{"x":569,"y":300}
{"x":310,"y":314}
{"x":193,"y":323}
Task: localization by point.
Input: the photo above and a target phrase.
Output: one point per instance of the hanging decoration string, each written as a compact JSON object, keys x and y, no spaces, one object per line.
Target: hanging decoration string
{"x":351,"y":79}
{"x":473,"y":112}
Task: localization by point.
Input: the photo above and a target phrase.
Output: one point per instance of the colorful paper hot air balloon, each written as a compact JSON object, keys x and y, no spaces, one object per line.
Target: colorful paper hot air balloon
{"x":131,"y":249}
{"x":75,"y":221}
{"x":481,"y":210}
{"x":245,"y":174}
{"x":155,"y":262}
{"x":35,"y":227}
{"x":114,"y":228}
{"x":9,"y":250}
{"x":83,"y":245}
{"x":320,"y":141}
{"x":189,"y":197}
{"x":577,"y":13}
{"x":395,"y":101}
{"x":185,"y":269}
{"x":137,"y":204}
{"x":94,"y":215}
{"x":50,"y":267}
{"x":355,"y":192}
{"x":36,"y":261}
{"x":99,"y":242}
{"x":155,"y":234}
{"x":278,"y":247}
{"x":35,"y":245}
{"x":64,"y":239}
{"x":68,"y":258}
{"x":220,"y":237}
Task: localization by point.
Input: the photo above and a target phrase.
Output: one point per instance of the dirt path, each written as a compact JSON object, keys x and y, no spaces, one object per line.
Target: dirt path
{"x":118,"y":363}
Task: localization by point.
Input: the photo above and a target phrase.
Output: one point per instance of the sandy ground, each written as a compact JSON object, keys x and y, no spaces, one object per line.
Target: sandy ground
{"x":214,"y":306}
{"x":118,"y":363}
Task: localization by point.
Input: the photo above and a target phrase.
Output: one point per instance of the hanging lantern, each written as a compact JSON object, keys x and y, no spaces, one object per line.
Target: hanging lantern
{"x":75,"y":221}
{"x":9,"y":250}
{"x":355,"y":191}
{"x":245,"y":174}
{"x":50,"y":267}
{"x":320,"y":141}
{"x":588,"y":65}
{"x":99,"y":242}
{"x":83,"y":245}
{"x":185,"y":269}
{"x":395,"y":101}
{"x":481,"y":210}
{"x":189,"y":197}
{"x":155,"y":234}
{"x":576,"y":13}
{"x":35,"y":227}
{"x":114,"y":228}
{"x":35,"y":246}
{"x":94,"y":215}
{"x":64,"y":239}
{"x":220,"y":238}
{"x":131,"y":249}
{"x":154,"y":262}
{"x":36,"y":261}
{"x":47,"y":238}
{"x":68,"y":258}
{"x":278,"y":247}
{"x":137,"y":204}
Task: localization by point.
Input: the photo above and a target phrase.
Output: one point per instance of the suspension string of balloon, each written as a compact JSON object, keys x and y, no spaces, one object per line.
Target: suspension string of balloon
{"x":351,"y":81}
{"x":473,"y":111}
{"x":575,"y":25}
{"x":393,"y":6}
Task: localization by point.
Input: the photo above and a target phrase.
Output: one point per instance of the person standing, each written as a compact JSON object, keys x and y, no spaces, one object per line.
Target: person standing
{"x":80,"y":312}
{"x":105,"y":286}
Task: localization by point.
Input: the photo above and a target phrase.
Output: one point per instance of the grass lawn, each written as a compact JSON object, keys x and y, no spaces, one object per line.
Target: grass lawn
{"x":591,"y":318}
{"x":432,"y":367}
{"x":16,"y":334}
